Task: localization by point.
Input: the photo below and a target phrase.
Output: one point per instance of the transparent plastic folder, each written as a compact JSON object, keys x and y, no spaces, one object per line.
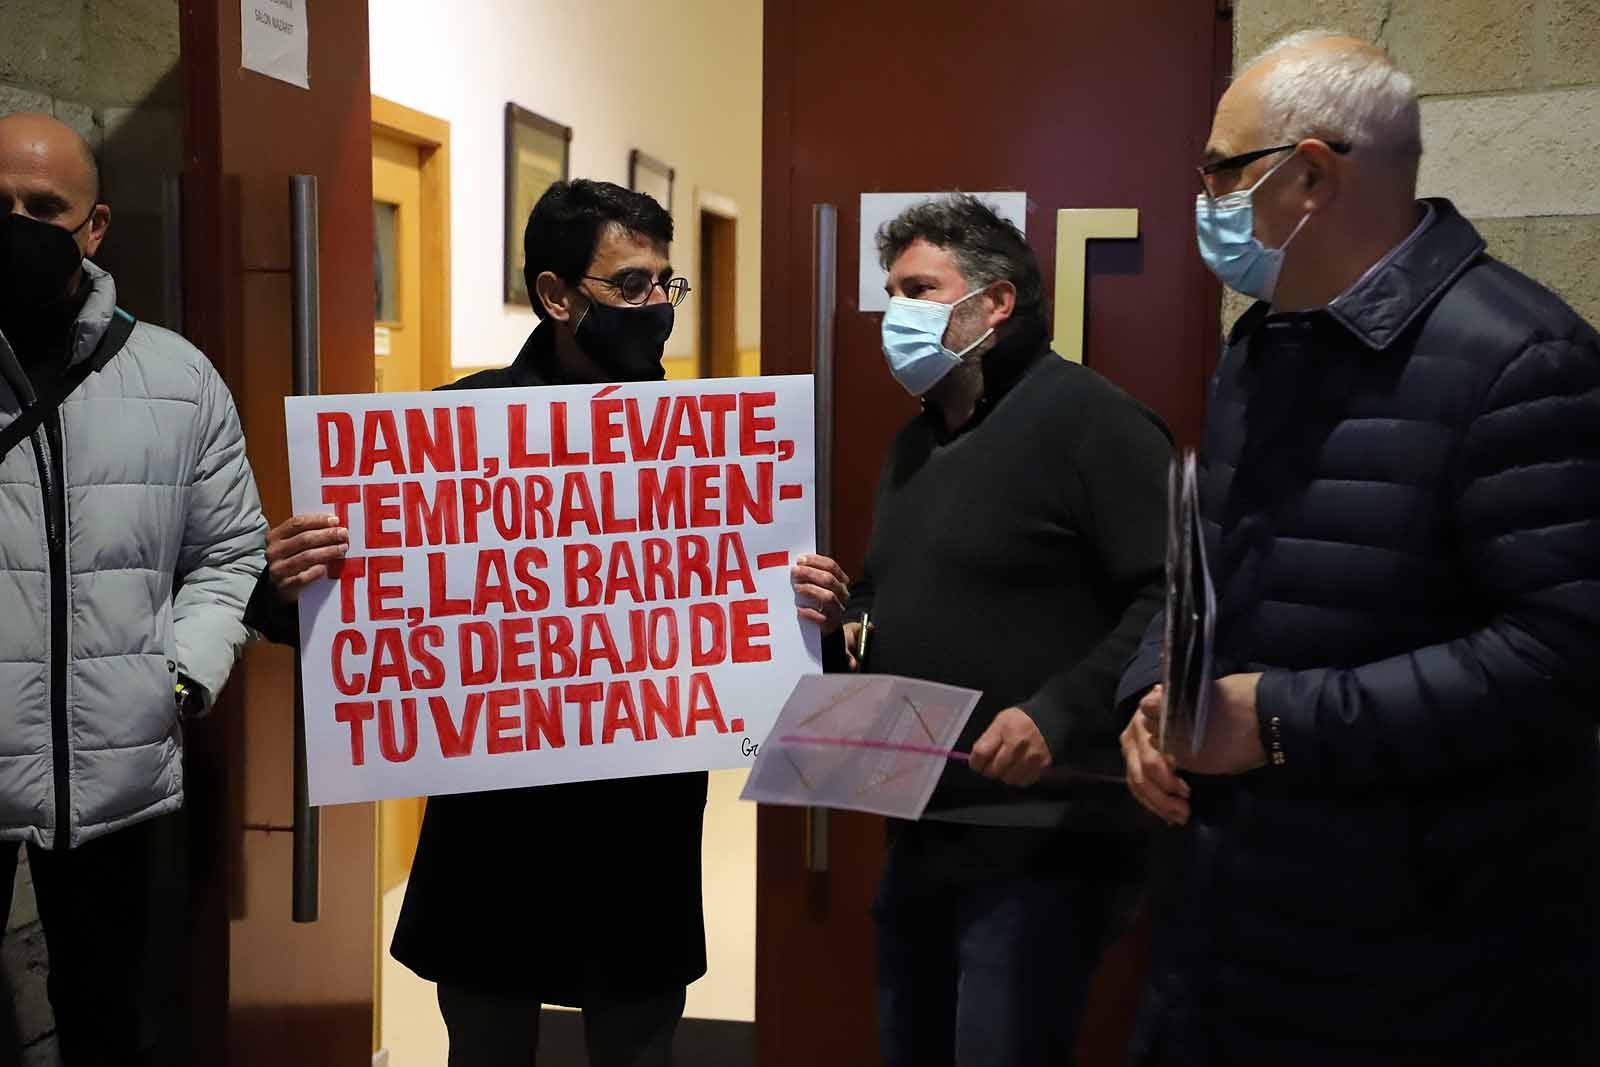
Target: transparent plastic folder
{"x":875,"y":743}
{"x":1187,"y":656}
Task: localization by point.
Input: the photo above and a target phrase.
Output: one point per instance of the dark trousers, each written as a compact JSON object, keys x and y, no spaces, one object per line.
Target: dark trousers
{"x":113,"y":914}
{"x":983,"y":972}
{"x":502,"y":1029}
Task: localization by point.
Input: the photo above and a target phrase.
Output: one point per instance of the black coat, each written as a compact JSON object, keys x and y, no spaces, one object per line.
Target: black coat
{"x":556,"y":891}
{"x":1401,"y":496}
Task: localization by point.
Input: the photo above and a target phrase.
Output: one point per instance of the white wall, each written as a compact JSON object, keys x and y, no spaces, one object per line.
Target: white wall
{"x":680,"y":81}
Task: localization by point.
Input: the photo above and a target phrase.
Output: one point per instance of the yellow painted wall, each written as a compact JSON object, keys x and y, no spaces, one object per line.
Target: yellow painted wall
{"x":681,"y":368}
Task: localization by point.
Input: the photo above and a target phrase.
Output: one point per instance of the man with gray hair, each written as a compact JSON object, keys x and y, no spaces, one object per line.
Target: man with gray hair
{"x":1016,"y":549}
{"x":1388,"y":825}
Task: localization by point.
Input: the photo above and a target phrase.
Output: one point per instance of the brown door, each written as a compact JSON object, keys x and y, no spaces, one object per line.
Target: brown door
{"x":265,"y":988}
{"x":1080,"y":104}
{"x":719,"y":279}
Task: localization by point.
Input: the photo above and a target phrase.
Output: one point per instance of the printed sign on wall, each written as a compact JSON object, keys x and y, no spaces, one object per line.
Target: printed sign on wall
{"x":275,"y":39}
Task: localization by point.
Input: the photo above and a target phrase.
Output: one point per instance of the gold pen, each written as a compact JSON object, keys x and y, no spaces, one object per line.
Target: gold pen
{"x":861,"y":640}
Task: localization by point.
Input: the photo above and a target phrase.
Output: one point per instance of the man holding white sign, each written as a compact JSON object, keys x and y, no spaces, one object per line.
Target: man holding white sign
{"x":601,"y":878}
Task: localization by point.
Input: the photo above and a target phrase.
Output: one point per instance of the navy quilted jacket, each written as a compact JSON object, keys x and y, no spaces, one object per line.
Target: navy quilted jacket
{"x":1401,"y":495}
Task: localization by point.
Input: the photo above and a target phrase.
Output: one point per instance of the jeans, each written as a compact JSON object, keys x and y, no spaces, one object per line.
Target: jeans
{"x":985,"y":972}
{"x":502,"y":1029}
{"x":113,"y":915}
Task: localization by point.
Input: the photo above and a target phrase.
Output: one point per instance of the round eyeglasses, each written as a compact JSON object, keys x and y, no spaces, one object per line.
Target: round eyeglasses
{"x":635,"y":286}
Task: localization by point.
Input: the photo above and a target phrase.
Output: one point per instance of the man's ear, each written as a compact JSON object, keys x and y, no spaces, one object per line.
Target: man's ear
{"x":1002,"y":300}
{"x":1319,"y":182}
{"x":552,"y":295}
{"x":99,"y":223}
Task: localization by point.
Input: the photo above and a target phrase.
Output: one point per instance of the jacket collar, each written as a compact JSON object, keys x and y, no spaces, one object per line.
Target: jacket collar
{"x":1021,"y":344}
{"x":1380,"y":307}
{"x":537,"y":362}
{"x":1011,"y":356}
{"x":93,"y":319}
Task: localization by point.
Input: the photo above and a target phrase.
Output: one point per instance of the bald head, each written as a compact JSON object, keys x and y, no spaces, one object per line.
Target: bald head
{"x":1324,"y":131}
{"x":48,"y":174}
{"x":47,"y":170}
{"x":1331,"y":87}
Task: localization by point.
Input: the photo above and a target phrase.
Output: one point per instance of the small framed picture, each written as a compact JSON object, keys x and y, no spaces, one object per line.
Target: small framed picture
{"x":646,"y":174}
{"x":538,"y":154}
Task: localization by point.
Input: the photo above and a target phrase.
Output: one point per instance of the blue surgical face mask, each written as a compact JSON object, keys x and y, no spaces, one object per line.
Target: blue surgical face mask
{"x":913,"y":341}
{"x":1226,"y":228}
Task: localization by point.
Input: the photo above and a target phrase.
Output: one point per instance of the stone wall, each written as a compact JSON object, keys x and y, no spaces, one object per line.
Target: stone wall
{"x":1510,"y":116}
{"x":108,"y":69}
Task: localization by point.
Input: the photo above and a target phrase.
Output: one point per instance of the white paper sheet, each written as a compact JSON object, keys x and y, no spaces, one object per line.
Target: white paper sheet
{"x":552,"y":585}
{"x":275,"y":38}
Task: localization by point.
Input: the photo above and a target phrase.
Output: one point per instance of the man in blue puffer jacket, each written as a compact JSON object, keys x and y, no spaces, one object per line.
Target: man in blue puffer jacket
{"x":1386,"y":853}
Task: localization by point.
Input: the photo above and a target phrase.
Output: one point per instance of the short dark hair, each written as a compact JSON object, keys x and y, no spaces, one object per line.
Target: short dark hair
{"x":987,"y":248}
{"x":565,"y":226}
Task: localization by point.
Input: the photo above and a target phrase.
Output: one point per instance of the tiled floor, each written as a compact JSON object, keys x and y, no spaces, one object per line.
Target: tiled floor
{"x":414,"y":1034}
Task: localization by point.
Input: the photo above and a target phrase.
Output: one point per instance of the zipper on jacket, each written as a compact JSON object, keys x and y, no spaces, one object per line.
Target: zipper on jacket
{"x":47,"y":450}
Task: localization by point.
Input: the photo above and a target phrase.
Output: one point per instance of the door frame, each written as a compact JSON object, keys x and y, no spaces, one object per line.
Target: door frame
{"x":431,"y":136}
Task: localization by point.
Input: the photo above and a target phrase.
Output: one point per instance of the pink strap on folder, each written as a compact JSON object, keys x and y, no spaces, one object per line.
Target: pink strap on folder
{"x":882,"y":746}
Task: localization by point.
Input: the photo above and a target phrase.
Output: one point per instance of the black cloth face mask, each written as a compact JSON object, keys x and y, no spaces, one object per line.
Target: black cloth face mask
{"x":626,"y":343}
{"x":37,"y":260}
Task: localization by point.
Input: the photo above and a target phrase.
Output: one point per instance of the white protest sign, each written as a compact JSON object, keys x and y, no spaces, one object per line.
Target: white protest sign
{"x":553,"y":584}
{"x":879,"y":208}
{"x":275,"y":39}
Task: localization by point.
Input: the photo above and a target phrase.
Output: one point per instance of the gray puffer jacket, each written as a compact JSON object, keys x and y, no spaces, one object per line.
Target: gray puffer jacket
{"x":147,"y":577}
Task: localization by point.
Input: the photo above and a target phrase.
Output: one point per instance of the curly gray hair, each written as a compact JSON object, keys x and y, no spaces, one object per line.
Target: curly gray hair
{"x":987,"y":248}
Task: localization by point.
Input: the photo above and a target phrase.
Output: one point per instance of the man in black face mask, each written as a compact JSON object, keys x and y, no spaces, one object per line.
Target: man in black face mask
{"x":45,"y":235}
{"x":586,"y":894}
{"x":130,"y":540}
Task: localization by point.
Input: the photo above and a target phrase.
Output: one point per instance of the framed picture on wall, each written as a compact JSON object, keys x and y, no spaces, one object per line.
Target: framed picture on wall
{"x":646,"y":174}
{"x":538,"y":154}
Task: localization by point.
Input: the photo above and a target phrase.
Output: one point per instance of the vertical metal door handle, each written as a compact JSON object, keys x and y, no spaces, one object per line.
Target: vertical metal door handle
{"x":307,"y":330}
{"x":824,"y":299}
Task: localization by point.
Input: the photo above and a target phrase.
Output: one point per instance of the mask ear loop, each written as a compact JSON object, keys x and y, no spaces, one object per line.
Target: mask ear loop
{"x":586,"y":309}
{"x":984,"y":337}
{"x":1251,"y":192}
{"x":1296,"y":231}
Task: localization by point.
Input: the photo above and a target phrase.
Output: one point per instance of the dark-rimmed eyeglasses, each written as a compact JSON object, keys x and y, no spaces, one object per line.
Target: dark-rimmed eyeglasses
{"x":1226,"y":171}
{"x":635,"y":286}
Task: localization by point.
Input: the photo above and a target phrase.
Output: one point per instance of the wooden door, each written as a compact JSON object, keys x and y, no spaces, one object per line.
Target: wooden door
{"x":1080,"y":104}
{"x":397,"y":265}
{"x":411,"y":331}
{"x":411,"y":248}
{"x":717,"y":291}
{"x":265,"y":988}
